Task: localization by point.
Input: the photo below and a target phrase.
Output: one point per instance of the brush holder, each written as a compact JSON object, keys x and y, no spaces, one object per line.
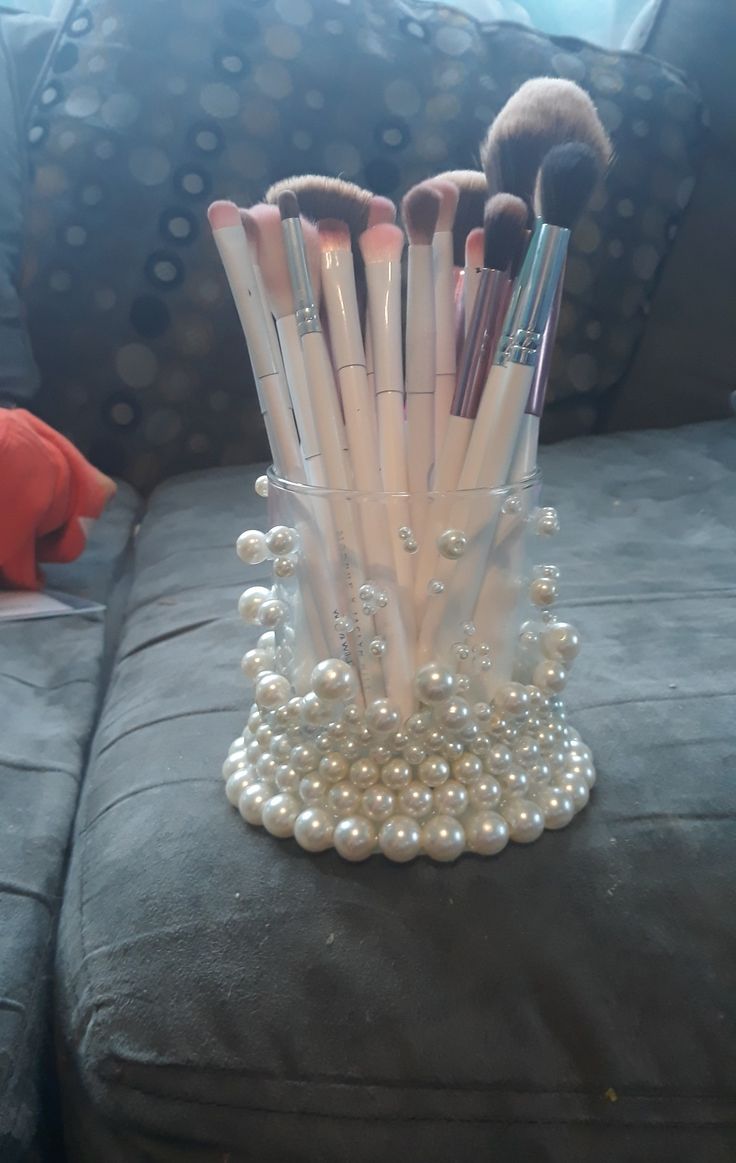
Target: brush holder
{"x":407,"y":676}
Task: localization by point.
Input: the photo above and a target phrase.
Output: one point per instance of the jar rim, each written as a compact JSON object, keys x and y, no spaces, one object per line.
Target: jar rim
{"x":298,"y":488}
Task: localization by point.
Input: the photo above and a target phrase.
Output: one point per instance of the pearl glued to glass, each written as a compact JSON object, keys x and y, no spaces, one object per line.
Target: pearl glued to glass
{"x":486,"y":833}
{"x":271,"y":612}
{"x":251,"y":547}
{"x":382,"y":717}
{"x":355,"y":838}
{"x":236,"y":784}
{"x":250,"y":603}
{"x":543,"y":591}
{"x":452,"y":544}
{"x":272,"y":690}
{"x":281,"y":540}
{"x":548,"y":523}
{"x":416,"y":800}
{"x":261,"y":486}
{"x":443,"y":838}
{"x":558,"y":809}
{"x":313,"y":830}
{"x":434,"y":684}
{"x":252,"y":801}
{"x":525,"y":821}
{"x":400,"y":839}
{"x":561,"y":641}
{"x":334,"y":680}
{"x":285,"y":566}
{"x":378,"y":802}
{"x":433,"y":770}
{"x":280,"y":813}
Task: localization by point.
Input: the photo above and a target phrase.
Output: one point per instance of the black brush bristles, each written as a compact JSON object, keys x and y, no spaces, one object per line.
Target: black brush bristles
{"x":504,"y":231}
{"x":567,"y":177}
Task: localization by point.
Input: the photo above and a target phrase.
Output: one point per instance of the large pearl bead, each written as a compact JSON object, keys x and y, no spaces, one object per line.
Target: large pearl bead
{"x":355,"y":838}
{"x":252,"y":801}
{"x":400,"y":839}
{"x":576,"y":787}
{"x":250,"y":602}
{"x":485,"y":792}
{"x":286,"y":778}
{"x":396,"y":773}
{"x":237,"y":744}
{"x":433,"y":770}
{"x":313,"y":829}
{"x":443,"y":838}
{"x":414,"y":754}
{"x":344,"y":798}
{"x":281,"y":540}
{"x":558,"y":808}
{"x":272,"y":690}
{"x":254,"y":661}
{"x":526,"y":750}
{"x":378,"y":802}
{"x":525,"y":820}
{"x":238,"y":761}
{"x":313,"y":789}
{"x":486,"y":833}
{"x":419,"y":723}
{"x":416,"y":800}
{"x":235,"y":785}
{"x":251,"y":547}
{"x":271,"y":612}
{"x":561,"y":641}
{"x":304,"y":758}
{"x":334,"y":766}
{"x":499,"y":759}
{"x":381,"y":716}
{"x":467,"y":768}
{"x":363,"y":773}
{"x":266,"y":767}
{"x":512,"y":699}
{"x":455,"y":714}
{"x":280,"y":813}
{"x":550,"y":675}
{"x":581,"y":769}
{"x":451,"y":798}
{"x":433,"y":684}
{"x":334,"y":680}
{"x":515,"y":783}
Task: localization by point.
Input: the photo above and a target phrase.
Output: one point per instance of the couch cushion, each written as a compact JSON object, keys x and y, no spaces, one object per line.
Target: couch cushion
{"x":151,"y":109}
{"x":50,"y":678}
{"x":224,"y":995}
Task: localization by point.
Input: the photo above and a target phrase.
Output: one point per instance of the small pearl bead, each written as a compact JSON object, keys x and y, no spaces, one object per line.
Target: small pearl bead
{"x":467,"y":768}
{"x":580,"y":769}
{"x":443,"y":838}
{"x":252,"y":801}
{"x":238,"y":761}
{"x":512,"y":699}
{"x":434,"y":739}
{"x":433,"y":770}
{"x":313,"y":829}
{"x":561,"y":641}
{"x":250,"y":602}
{"x":344,"y":798}
{"x":452,"y":544}
{"x":280,"y":813}
{"x":484,"y":792}
{"x":539,"y":772}
{"x":416,"y":800}
{"x":334,"y":679}
{"x":455,"y":714}
{"x":351,"y":749}
{"x":451,"y":798}
{"x":575,"y":787}
{"x":381,"y":753}
{"x":548,"y":522}
{"x":419,"y":723}
{"x":499,"y":759}
{"x":526,"y":750}
{"x":414,"y":754}
{"x":286,"y":778}
{"x":271,"y":612}
{"x":334,"y":766}
{"x":363,"y":773}
{"x":261,"y":486}
{"x":305,"y":758}
{"x":580,"y":753}
{"x":238,"y":744}
{"x":434,"y":684}
{"x":266,"y":767}
{"x":550,"y":675}
{"x":253,"y":750}
{"x":285,"y":566}
{"x":272,"y":690}
{"x":236,"y":784}
{"x":251,"y":547}
{"x":313,"y":789}
{"x":400,"y":839}
{"x":525,"y":820}
{"x":515,"y":782}
{"x":255,"y":661}
{"x":280,"y":747}
{"x":486,"y":833}
{"x":452,"y":749}
{"x":557,"y":808}
{"x":543,"y":591}
{"x":281,"y":540}
{"x":381,"y":716}
{"x":396,"y":773}
{"x":355,"y":838}
{"x":378,"y":802}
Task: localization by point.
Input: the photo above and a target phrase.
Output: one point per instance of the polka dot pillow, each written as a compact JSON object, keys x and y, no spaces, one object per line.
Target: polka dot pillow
{"x":150,"y":108}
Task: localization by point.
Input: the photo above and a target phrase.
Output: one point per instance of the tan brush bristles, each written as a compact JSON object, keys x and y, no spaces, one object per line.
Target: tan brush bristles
{"x":265,"y":221}
{"x":333,"y":234}
{"x":449,"y":196}
{"x":473,"y":191}
{"x":543,"y":112}
{"x":419,"y":212}
{"x":324,"y":197}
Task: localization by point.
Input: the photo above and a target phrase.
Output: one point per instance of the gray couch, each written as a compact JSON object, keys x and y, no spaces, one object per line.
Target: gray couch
{"x":216,"y":994}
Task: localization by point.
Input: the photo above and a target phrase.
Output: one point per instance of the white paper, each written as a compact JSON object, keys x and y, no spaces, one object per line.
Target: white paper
{"x":21,"y":605}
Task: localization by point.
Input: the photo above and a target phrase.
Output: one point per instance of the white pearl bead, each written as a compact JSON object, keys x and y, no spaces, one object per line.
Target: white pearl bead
{"x":482,"y":712}
{"x":558,"y":808}
{"x":575,"y":787}
{"x":272,"y":690}
{"x":304,"y":758}
{"x":280,"y":813}
{"x":381,"y":716}
{"x":434,"y":739}
{"x":515,"y":783}
{"x":414,"y":754}
{"x":543,"y":591}
{"x":451,"y":798}
{"x":548,"y":522}
{"x":264,"y":735}
{"x":334,"y":680}
{"x":250,"y":602}
{"x":344,"y":798}
{"x":267,"y":641}
{"x":561,"y":641}
{"x":238,"y":761}
{"x":381,"y":753}
{"x":419,"y":723}
{"x":378,"y":802}
{"x":238,"y":744}
{"x":334,"y":766}
{"x":355,"y":838}
{"x":266,"y":767}
{"x":313,"y":711}
{"x":396,"y":773}
{"x":416,"y":800}
{"x":512,"y":699}
{"x":313,"y":829}
{"x":433,"y":684}
{"x":452,"y":544}
{"x":550,"y":675}
{"x":484,"y":792}
{"x":539,"y":772}
{"x":281,"y":747}
{"x":525,"y":820}
{"x":467,"y":768}
{"x":400,"y":839}
{"x":235,"y":785}
{"x":363,"y":773}
{"x":251,"y":547}
{"x":286,"y":778}
{"x":281,"y":540}
{"x":581,"y":769}
{"x":271,"y":612}
{"x":314,"y":789}
{"x":285,"y":566}
{"x":526,"y":750}
{"x":486,"y":833}
{"x":433,"y":770}
{"x":261,"y":486}
{"x":499,"y":759}
{"x":455,"y":714}
{"x":253,"y":751}
{"x":443,"y":838}
{"x":252,"y":801}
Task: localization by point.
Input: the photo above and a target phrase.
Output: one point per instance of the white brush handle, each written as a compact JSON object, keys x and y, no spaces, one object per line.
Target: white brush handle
{"x":445,"y":349}
{"x":420,"y":366}
{"x":325,"y":409}
{"x":470,"y":290}
{"x":296,"y":377}
{"x":525,"y":455}
{"x":439,"y":512}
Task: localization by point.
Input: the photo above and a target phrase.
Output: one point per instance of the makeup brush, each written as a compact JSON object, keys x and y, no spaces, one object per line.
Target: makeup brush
{"x":420,"y":209}
{"x":237,"y":260}
{"x":444,"y":308}
{"x":542,"y":113}
{"x":381,"y":211}
{"x":275,"y":271}
{"x":473,"y":192}
{"x":474,"y":246}
{"x":326,"y":197}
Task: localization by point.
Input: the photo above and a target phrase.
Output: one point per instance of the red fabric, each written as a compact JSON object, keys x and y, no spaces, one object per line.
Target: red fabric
{"x":46,"y":485}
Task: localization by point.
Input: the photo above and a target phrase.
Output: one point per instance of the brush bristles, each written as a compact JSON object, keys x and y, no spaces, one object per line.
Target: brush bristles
{"x":381,"y":211}
{"x":324,"y":197}
{"x":472,"y":191}
{"x":567,"y":178}
{"x":288,"y":204}
{"x":382,"y":243}
{"x":474,"y":248}
{"x":449,"y":195}
{"x":333,"y":234}
{"x":542,"y":113}
{"x":504,"y":231}
{"x":419,"y":211}
{"x":252,"y":231}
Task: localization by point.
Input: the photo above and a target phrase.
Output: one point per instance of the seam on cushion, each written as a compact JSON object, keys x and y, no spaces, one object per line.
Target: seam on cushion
{"x":23,"y":765}
{"x":674,"y":697}
{"x":35,"y":686}
{"x":166,"y":637}
{"x":140,"y":791}
{"x":12,"y":1005}
{"x":28,"y":893}
{"x":639,"y":599}
{"x":41,"y":972}
{"x":166,"y":719}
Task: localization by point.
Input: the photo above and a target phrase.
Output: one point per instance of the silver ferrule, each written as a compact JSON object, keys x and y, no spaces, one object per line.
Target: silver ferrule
{"x":533,"y":304}
{"x":305,"y":308}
